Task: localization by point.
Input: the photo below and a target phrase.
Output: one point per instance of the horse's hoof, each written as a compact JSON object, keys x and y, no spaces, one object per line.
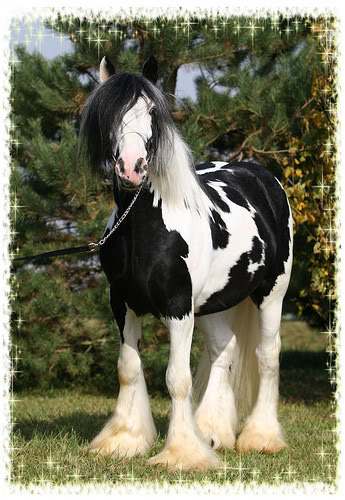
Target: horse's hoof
{"x":254,"y":438}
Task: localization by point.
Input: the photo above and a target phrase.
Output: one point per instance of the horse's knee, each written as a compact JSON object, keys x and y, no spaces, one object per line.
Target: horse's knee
{"x":267,"y":354}
{"x":128,"y":365}
{"x":179,"y":384}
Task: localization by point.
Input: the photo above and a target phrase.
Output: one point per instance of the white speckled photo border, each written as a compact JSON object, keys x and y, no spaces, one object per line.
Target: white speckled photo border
{"x":31,"y":15}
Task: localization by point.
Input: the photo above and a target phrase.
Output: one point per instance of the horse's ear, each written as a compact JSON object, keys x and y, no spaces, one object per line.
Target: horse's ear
{"x":106,"y":69}
{"x":150,"y":69}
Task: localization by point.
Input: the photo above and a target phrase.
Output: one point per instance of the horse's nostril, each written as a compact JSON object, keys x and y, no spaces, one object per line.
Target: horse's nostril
{"x":140,"y":166}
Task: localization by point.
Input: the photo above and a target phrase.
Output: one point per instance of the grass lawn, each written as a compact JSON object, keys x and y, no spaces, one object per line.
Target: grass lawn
{"x":52,"y":429}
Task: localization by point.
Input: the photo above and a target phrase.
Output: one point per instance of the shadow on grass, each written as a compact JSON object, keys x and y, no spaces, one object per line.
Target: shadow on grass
{"x":83,"y":426}
{"x":304,"y":377}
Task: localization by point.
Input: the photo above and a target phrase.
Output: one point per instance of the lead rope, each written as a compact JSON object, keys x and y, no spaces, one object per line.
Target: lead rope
{"x":90,"y":247}
{"x":101,"y":242}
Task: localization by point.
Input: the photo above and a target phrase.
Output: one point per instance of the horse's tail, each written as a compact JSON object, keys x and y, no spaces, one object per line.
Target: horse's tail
{"x":244,"y":374}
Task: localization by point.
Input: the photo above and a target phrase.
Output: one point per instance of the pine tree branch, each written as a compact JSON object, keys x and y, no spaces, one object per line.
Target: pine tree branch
{"x":283,"y":129}
{"x":207,"y":58}
{"x":263,"y":152}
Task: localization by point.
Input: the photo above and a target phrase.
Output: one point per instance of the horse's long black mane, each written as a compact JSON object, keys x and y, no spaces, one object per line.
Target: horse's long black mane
{"x":104,"y":112}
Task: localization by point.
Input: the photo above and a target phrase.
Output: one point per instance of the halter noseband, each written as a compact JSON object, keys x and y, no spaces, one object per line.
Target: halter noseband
{"x":146,"y":142}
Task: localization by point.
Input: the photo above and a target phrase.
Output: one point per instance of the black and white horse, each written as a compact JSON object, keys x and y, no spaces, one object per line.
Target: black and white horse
{"x":209,"y":245}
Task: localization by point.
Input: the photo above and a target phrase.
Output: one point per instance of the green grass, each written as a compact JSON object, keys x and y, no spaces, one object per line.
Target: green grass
{"x":299,"y":336}
{"x":52,"y":430}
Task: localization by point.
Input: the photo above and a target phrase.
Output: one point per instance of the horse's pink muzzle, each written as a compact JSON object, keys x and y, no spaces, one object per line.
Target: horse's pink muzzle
{"x":131,"y":172}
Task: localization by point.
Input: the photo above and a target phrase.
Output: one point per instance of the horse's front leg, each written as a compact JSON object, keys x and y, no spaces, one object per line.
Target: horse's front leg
{"x":131,"y":430}
{"x":184,"y":448}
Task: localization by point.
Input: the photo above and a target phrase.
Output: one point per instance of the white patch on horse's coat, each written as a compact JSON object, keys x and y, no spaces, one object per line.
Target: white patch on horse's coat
{"x":251,"y":209}
{"x":217,"y":186}
{"x":253,"y":266}
{"x":137,"y":120}
{"x":280,"y":184}
{"x":217,"y":166}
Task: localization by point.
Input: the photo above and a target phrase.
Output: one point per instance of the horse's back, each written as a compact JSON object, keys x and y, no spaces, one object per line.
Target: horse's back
{"x":254,"y":188}
{"x":246,"y":184}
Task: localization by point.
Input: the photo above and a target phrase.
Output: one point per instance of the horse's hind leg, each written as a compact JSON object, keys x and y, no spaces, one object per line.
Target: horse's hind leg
{"x":131,"y":430}
{"x":262,"y":431}
{"x":216,"y":414}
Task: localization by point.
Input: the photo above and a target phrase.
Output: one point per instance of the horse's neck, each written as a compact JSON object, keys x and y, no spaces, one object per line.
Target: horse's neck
{"x":176,"y":184}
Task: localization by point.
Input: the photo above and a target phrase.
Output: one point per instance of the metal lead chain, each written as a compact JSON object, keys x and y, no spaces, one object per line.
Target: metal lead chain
{"x":93,"y":246}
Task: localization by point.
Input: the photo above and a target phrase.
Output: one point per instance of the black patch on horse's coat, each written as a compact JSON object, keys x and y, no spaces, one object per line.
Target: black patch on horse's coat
{"x":214,"y":196}
{"x":219,"y":232}
{"x":256,"y":251}
{"x":119,"y":311}
{"x":144,"y":263}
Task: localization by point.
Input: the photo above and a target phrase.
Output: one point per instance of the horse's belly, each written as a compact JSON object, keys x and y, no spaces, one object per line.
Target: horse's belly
{"x":227,"y":285}
{"x":214,"y":280}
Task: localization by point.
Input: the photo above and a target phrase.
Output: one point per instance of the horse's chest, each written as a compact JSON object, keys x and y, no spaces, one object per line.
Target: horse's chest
{"x":147,"y":270}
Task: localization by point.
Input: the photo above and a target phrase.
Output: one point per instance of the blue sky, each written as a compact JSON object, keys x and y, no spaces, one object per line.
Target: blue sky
{"x":36,"y":37}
